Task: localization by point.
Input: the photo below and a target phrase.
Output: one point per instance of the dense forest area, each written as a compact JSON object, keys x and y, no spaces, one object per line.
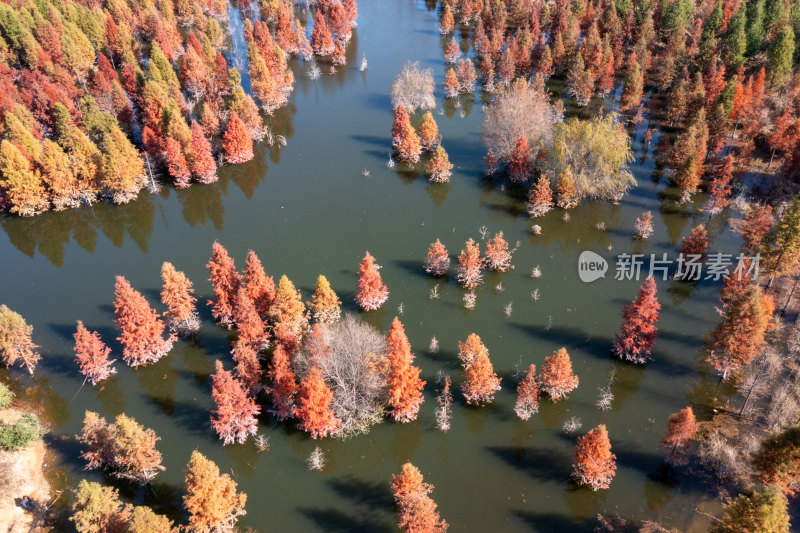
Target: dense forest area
{"x":102,"y":100}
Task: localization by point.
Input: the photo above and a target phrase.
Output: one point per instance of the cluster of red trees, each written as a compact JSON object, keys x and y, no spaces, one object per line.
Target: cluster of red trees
{"x":333,"y":28}
{"x":409,"y":144}
{"x":94,"y":108}
{"x":469,"y":270}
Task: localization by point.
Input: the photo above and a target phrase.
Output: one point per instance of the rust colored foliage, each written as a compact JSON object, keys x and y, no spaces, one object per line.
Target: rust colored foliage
{"x":226,"y":282}
{"x":437,"y":262}
{"x":740,"y":336}
{"x":211,"y":498}
{"x":237,"y":143}
{"x":527,"y":395}
{"x":200,"y":158}
{"x":696,"y":243}
{"x":680,"y":435}
{"x":402,"y":380}
{"x":289,"y":308}
{"x":451,"y":85}
{"x":314,"y":406}
{"x":595,"y":465}
{"x":249,"y":327}
{"x":519,"y":166}
{"x":429,"y":136}
{"x":720,"y":188}
{"x":321,"y":41}
{"x":417,"y":510}
{"x":480,"y":381}
{"x":634,"y":342}
{"x":540,"y":200}
{"x":248,"y":367}
{"x":439,"y":168}
{"x":757,"y":224}
{"x":141,"y":328}
{"x":234,"y":419}
{"x":177,"y":294}
{"x":452,"y":52}
{"x":498,"y":256}
{"x":260,"y":287}
{"x":372,"y":293}
{"x":124,"y":448}
{"x":91,"y":354}
{"x":557,"y":379}
{"x":643,"y":227}
{"x":284,"y":384}
{"x":325,"y":305}
{"x":778,"y":461}
{"x":405,"y":140}
{"x":447,"y":22}
{"x":177,"y":166}
{"x":15,"y":340}
{"x":469,"y":271}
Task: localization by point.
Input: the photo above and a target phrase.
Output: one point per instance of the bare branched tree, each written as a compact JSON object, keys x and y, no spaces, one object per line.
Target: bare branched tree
{"x":413,"y":88}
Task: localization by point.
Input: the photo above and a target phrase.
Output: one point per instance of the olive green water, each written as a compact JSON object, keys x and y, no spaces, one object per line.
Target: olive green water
{"x":307,"y":209}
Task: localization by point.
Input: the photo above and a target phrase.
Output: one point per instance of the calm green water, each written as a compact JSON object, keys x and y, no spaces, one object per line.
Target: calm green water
{"x":307,"y":209}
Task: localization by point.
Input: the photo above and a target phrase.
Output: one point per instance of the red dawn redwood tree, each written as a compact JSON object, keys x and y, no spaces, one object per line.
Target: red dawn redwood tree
{"x":248,"y":367}
{"x":439,"y":168}
{"x":757,"y":224}
{"x":141,"y":328}
{"x":451,"y":85}
{"x":720,"y":188}
{"x":437,"y":262}
{"x":284,"y":384}
{"x":540,"y":200}
{"x":527,"y":395}
{"x":498,"y":256}
{"x":696,"y":243}
{"x":519,"y":167}
{"x":91,"y":354}
{"x":226,"y":281}
{"x":249,"y":327}
{"x":480,"y":380}
{"x":402,"y":380}
{"x":634,"y":342}
{"x":321,"y":41}
{"x":372,"y":293}
{"x":176,"y":164}
{"x":417,"y":510}
{"x":237,"y":143}
{"x":314,"y":406}
{"x":557,"y":379}
{"x":234,"y":419}
{"x":406,"y":142}
{"x":201,"y":158}
{"x":429,"y":137}
{"x":15,"y":340}
{"x":778,"y":461}
{"x":177,"y":294}
{"x":680,"y":435}
{"x":211,"y":499}
{"x":469,"y":270}
{"x":595,"y":465}
{"x":260,"y":287}
{"x":644,"y":225}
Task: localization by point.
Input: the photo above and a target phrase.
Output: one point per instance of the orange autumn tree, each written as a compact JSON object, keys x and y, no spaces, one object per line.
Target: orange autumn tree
{"x":260,"y":287}
{"x":636,"y":337}
{"x":237,"y":143}
{"x":469,"y":270}
{"x":314,"y":406}
{"x":91,"y":354}
{"x":696,"y":243}
{"x":405,"y":140}
{"x":177,"y":293}
{"x":325,"y":306}
{"x":439,"y":168}
{"x":557,"y":379}
{"x":201,"y":158}
{"x":234,"y":419}
{"x":211,"y":498}
{"x":498,"y":256}
{"x":519,"y":166}
{"x":124,"y":448}
{"x":527,"y":395}
{"x":177,"y":167}
{"x":372,"y":293}
{"x":417,"y":510}
{"x":289,"y":309}
{"x":402,"y":380}
{"x":284,"y":384}
{"x":141,"y":328}
{"x":480,"y":381}
{"x":249,"y":327}
{"x":437,"y":262}
{"x":738,"y":338}
{"x":226,"y":281}
{"x":595,"y":465}
{"x":248,"y":367}
{"x":15,"y":340}
{"x":429,"y":137}
{"x":680,"y":435}
{"x":451,"y":85}
{"x":540,"y":200}
{"x":757,"y":224}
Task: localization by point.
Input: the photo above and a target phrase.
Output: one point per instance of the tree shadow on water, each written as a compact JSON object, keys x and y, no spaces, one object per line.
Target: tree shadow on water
{"x":539,"y":463}
{"x":337,"y":521}
{"x":549,"y":522}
